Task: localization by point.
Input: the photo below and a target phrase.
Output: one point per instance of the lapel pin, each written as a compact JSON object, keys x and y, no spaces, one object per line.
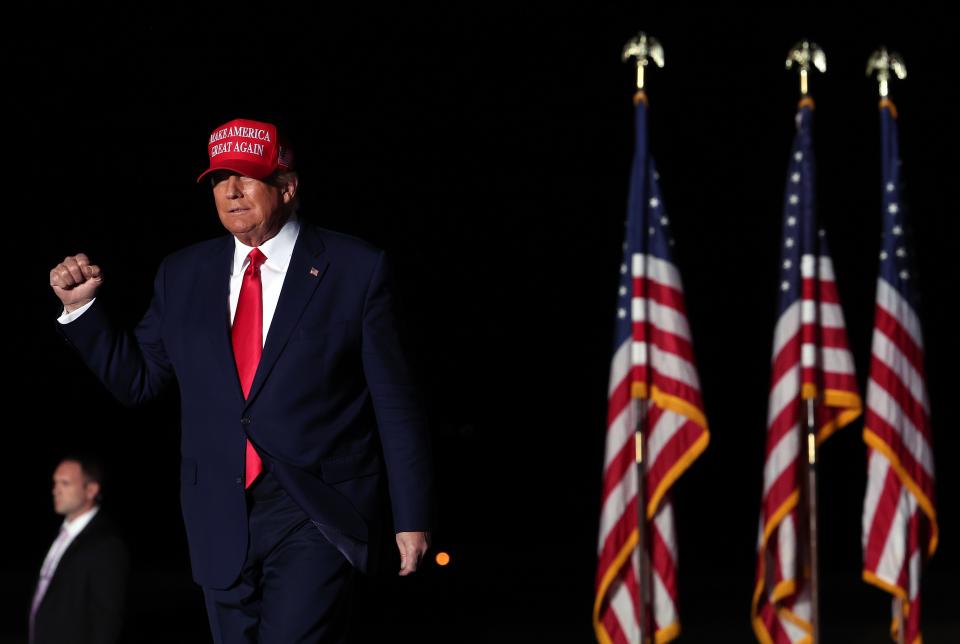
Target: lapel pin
{"x":314,"y":271}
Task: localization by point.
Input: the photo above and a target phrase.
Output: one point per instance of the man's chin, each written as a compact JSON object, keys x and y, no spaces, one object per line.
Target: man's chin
{"x":238,"y":227}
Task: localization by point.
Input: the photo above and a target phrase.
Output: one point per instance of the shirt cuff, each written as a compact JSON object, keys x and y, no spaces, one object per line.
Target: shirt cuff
{"x":67,"y":318}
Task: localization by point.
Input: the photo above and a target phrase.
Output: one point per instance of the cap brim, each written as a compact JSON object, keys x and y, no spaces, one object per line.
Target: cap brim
{"x":252,"y":170}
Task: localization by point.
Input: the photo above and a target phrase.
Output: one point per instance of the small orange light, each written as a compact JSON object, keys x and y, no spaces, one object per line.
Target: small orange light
{"x":442,"y":559}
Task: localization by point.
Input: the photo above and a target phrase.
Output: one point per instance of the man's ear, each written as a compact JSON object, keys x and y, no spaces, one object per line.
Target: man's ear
{"x":289,"y":189}
{"x":91,"y":490}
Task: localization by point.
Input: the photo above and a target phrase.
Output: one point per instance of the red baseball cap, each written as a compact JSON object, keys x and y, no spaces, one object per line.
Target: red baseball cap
{"x":251,"y":148}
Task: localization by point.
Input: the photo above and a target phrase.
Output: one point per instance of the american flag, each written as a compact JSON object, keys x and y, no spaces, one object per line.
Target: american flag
{"x":899,"y":518}
{"x":811,"y":360}
{"x":652,"y":367}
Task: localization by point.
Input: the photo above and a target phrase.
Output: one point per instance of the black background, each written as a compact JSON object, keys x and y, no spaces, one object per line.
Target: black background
{"x":487,"y":149}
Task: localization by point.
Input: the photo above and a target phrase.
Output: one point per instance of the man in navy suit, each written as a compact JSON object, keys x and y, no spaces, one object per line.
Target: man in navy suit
{"x":295,"y":398}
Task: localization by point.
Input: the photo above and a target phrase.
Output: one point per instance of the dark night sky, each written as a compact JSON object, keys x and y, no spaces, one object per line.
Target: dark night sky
{"x":488,"y":151}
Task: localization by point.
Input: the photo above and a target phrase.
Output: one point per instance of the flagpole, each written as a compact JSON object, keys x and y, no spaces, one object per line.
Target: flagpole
{"x":882,"y":63}
{"x":898,"y":618}
{"x":643,"y":49}
{"x":803,"y":55}
{"x":644,"y":581}
{"x":812,"y":517}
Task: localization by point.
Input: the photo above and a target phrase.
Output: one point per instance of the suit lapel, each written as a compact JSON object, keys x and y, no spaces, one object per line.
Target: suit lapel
{"x":76,"y":544}
{"x":213,"y":288}
{"x":306,"y":271}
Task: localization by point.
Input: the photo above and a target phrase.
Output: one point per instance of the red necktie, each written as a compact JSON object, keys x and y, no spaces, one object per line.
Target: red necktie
{"x":247,"y":336}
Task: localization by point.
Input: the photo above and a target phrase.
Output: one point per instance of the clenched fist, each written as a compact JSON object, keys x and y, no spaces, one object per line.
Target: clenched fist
{"x":75,"y":281}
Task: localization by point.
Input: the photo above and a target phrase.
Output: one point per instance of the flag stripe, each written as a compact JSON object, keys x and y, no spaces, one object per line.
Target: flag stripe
{"x":886,"y":415}
{"x":893,"y":304}
{"x":889,"y":357}
{"x":661,"y":317}
{"x":657,"y":269}
{"x":663,"y":293}
{"x":890,"y":327}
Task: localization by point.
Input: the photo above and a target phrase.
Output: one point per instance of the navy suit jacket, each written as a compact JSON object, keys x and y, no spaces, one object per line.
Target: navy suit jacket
{"x":331,"y":409}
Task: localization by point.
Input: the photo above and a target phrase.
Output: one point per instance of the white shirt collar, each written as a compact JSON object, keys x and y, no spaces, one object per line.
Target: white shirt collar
{"x":278,"y":249}
{"x":79,"y":523}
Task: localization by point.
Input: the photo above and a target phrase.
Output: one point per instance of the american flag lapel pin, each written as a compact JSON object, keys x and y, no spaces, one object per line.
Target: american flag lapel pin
{"x":314,"y":272}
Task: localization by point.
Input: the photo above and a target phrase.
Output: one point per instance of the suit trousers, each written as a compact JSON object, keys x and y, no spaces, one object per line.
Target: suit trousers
{"x":295,"y":585}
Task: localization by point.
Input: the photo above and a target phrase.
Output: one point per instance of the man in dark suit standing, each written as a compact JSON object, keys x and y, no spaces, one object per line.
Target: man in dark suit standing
{"x":295,"y":398}
{"x":81,"y":588}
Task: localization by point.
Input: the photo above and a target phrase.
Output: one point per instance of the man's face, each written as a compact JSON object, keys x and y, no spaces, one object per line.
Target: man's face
{"x":252,"y":210}
{"x":72,"y":494}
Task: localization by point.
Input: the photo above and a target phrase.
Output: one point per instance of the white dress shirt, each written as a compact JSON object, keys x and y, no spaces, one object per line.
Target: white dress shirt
{"x":278,"y":251}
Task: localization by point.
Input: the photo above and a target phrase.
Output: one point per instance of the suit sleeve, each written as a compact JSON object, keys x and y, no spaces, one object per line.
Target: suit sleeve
{"x":400,"y":421}
{"x":134,"y":367}
{"x":107,"y":590}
